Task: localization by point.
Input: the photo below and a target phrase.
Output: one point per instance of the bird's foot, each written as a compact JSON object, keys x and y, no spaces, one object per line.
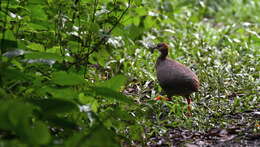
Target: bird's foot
{"x":189,"y":113}
{"x":162,"y":98}
{"x":168,"y":99}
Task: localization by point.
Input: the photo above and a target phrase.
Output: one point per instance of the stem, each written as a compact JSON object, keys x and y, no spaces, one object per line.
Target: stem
{"x":104,"y":38}
{"x":3,"y":30}
{"x":95,"y":10}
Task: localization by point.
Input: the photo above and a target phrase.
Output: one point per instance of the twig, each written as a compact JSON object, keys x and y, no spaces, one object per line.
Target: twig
{"x":129,"y":5}
{"x":104,"y":38}
{"x":4,"y":28}
{"x":95,"y":10}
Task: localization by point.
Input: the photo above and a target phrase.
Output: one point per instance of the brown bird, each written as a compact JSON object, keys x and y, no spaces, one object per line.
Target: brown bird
{"x":174,"y":77}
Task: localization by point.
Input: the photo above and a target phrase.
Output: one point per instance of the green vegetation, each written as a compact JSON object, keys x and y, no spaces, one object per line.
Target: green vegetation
{"x":80,"y":72}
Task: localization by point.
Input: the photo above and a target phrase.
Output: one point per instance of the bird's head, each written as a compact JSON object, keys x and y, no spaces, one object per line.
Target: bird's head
{"x":162,"y":47}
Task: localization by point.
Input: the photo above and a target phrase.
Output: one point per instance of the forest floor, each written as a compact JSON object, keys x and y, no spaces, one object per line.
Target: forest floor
{"x":240,"y":134}
{"x":243,"y":131}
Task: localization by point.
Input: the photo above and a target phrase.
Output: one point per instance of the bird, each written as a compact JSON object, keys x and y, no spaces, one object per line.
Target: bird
{"x":174,"y":78}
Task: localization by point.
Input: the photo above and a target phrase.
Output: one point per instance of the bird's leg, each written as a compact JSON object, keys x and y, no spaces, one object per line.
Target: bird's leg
{"x":168,"y":98}
{"x":163,"y":98}
{"x":158,"y":98}
{"x":189,"y":101}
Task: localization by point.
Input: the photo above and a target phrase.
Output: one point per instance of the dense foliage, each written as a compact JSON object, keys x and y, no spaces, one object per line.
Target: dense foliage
{"x":79,"y":72}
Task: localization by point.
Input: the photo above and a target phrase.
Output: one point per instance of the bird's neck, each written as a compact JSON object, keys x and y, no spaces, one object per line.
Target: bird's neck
{"x":164,"y":54}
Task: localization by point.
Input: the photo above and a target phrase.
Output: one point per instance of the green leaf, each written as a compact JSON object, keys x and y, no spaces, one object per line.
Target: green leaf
{"x":54,"y":49}
{"x":5,"y":122}
{"x":62,"y":93}
{"x":53,"y":106}
{"x":36,"y":135}
{"x":138,"y":2}
{"x":37,"y":12}
{"x":13,"y":74}
{"x":101,"y":57}
{"x":98,"y":136}
{"x":115,"y":83}
{"x":34,"y":2}
{"x":135,"y":132}
{"x":34,"y":26}
{"x":149,"y":22}
{"x":17,"y":64}
{"x":74,"y":46}
{"x":8,"y":34}
{"x":109,"y":89}
{"x":98,"y":133}
{"x":141,"y":11}
{"x":3,"y":93}
{"x":20,"y":113}
{"x":134,"y":31}
{"x":16,"y":117}
{"x":3,"y":15}
{"x":93,"y":27}
{"x":89,"y":100}
{"x":36,"y":47}
{"x":110,"y":94}
{"x":8,"y":44}
{"x":39,"y":25}
{"x":44,"y":55}
{"x":9,"y":40}
{"x":67,"y":79}
{"x":62,"y":122}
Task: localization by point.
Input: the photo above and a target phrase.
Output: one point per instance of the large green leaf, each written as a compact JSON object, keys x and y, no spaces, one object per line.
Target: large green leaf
{"x":43,"y":55}
{"x":16,"y":116}
{"x":62,"y":93}
{"x":98,"y":136}
{"x":35,"y":46}
{"x":67,"y":79}
{"x":74,"y":46}
{"x":38,"y":134}
{"x":85,"y":99}
{"x":14,"y":74}
{"x":115,"y":83}
{"x":34,"y":2}
{"x":8,"y":44}
{"x":98,"y":133}
{"x":8,"y":34}
{"x":62,"y":122}
{"x":53,"y":106}
{"x":19,"y":114}
{"x":5,"y":123}
{"x":110,"y":89}
{"x":110,"y":94}
{"x":100,"y":57}
{"x":9,"y":40}
{"x":37,"y":12}
{"x":35,"y":26}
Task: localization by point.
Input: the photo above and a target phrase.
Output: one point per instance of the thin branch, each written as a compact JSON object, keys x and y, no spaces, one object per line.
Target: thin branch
{"x":4,"y":27}
{"x":95,"y":10}
{"x":104,"y":38}
{"x":124,"y":12}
